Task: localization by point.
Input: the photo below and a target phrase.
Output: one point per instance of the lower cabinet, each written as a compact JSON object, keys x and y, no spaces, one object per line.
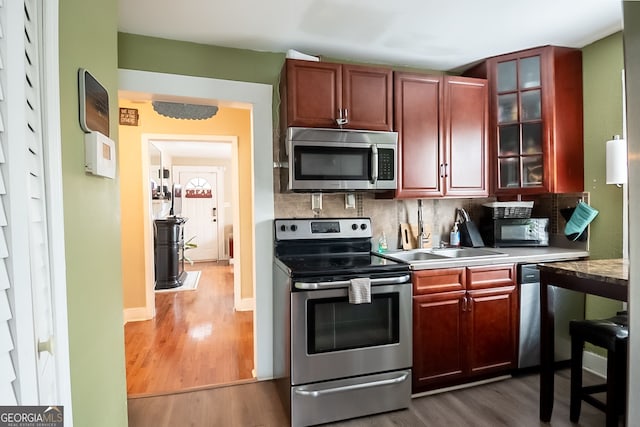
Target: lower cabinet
{"x":464,"y":324}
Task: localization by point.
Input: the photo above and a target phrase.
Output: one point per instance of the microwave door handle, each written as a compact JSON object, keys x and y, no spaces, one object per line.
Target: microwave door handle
{"x":374,"y":164}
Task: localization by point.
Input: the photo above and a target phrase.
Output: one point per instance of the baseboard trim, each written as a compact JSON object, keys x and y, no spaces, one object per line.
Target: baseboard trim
{"x":461,"y":386}
{"x":595,"y":364}
{"x":245,"y":304}
{"x":136,"y":314}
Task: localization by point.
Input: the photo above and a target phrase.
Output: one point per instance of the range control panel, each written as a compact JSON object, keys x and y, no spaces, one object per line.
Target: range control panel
{"x":322,"y":228}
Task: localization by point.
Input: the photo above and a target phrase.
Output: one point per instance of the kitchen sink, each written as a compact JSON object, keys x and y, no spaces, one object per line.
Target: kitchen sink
{"x":466,"y":252}
{"x":415,"y":256}
{"x":443,"y":254}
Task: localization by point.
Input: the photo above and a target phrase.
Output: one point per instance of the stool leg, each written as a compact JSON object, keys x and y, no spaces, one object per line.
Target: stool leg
{"x":621,"y":378}
{"x":577,"y":346}
{"x":612,"y":390}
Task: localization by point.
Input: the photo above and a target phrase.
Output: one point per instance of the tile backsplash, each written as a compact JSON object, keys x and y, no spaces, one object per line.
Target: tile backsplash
{"x":387,"y":215}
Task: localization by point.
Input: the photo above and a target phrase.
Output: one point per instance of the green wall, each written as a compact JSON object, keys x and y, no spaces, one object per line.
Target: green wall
{"x":88,"y":39}
{"x":603,"y":62}
{"x":191,"y":59}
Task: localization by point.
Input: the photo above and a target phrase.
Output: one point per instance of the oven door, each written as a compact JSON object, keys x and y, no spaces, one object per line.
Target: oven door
{"x":332,"y":339}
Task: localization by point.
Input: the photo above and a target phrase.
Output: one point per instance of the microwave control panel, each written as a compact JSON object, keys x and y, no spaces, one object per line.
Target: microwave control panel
{"x":386,"y":164}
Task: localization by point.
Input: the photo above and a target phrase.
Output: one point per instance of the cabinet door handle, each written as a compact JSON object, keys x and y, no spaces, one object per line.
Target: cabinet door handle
{"x":446,"y":170}
{"x":441,"y":170}
{"x":464,"y":303}
{"x":342,"y":120}
{"x":469,"y":303}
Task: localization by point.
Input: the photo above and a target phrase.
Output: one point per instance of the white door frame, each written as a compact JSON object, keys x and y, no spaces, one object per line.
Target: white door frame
{"x":219,"y":171}
{"x":259,"y":96}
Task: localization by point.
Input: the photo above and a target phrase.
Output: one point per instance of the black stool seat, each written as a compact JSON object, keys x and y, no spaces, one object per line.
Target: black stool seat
{"x":605,"y":333}
{"x":611,"y":334}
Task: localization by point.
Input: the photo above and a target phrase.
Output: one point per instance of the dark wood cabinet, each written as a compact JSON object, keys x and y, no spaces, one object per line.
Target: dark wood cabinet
{"x":442,"y":135}
{"x":536,"y":130}
{"x":439,"y":329}
{"x":324,"y":94}
{"x":464,"y":326}
{"x":492,"y":310}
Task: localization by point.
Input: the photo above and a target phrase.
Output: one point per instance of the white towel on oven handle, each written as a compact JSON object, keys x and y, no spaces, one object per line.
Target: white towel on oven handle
{"x":360,"y":290}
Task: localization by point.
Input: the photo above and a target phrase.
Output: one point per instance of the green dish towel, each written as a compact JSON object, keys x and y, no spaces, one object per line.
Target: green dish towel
{"x":582,"y":216}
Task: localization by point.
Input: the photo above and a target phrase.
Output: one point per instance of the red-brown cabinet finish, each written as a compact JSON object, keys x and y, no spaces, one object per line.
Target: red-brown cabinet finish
{"x":465,"y":137}
{"x":320,"y":94}
{"x":492,"y":309}
{"x":442,"y":135}
{"x":464,"y":324}
{"x":417,"y":107}
{"x":535,"y":116}
{"x":438,"y":339}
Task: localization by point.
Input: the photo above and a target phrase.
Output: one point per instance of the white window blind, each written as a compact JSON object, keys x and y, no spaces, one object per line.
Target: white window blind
{"x":27,"y":372}
{"x":37,"y":208}
{"x":7,"y":368}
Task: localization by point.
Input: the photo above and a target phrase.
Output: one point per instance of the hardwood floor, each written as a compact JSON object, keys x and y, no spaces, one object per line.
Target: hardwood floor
{"x":512,"y":403}
{"x":196,"y":339}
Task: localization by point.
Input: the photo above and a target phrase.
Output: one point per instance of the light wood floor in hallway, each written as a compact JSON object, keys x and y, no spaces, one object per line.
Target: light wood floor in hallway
{"x":508,"y":403}
{"x":195,"y":340}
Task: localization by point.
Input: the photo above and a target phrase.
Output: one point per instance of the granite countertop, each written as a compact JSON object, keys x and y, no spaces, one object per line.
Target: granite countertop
{"x":615,"y":271}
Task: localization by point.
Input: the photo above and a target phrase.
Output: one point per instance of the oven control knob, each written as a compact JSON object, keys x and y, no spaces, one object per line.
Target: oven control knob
{"x":294,"y":227}
{"x":283,"y":227}
{"x":363,"y":226}
{"x":354,"y":226}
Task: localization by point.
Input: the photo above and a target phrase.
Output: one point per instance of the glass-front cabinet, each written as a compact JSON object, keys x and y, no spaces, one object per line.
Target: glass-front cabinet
{"x":519,"y":116}
{"x":535,"y":120}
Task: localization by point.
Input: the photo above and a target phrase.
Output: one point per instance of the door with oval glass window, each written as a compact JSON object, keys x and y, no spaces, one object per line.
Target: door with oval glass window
{"x":200,"y":206}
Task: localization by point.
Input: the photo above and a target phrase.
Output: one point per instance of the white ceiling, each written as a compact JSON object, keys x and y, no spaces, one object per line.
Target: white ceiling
{"x":433,"y":34}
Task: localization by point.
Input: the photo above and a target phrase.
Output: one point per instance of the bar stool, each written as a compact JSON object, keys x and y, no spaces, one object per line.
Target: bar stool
{"x":611,"y":334}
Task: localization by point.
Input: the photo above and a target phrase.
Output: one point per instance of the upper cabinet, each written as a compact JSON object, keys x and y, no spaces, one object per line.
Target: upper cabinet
{"x":329,"y":95}
{"x":536,"y":136}
{"x":442,"y":135}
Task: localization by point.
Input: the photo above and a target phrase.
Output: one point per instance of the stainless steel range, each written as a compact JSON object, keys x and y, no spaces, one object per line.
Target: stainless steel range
{"x":335,"y":359}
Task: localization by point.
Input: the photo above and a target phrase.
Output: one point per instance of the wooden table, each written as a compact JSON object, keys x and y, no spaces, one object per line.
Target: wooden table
{"x":606,"y":278}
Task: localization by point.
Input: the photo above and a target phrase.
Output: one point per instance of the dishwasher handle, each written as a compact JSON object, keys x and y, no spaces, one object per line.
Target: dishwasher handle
{"x":529,"y":273}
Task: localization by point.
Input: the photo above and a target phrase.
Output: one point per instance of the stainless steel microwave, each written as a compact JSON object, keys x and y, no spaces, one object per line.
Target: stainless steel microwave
{"x":341,"y":160}
{"x":509,"y":232}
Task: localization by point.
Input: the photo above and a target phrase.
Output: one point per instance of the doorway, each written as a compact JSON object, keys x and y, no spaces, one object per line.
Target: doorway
{"x":203,"y":190}
{"x":260,"y":212}
{"x":211,"y":341}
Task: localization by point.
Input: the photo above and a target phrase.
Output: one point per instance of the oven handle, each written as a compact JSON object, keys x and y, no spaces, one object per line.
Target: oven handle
{"x":307,"y":286}
{"x":318,"y":393}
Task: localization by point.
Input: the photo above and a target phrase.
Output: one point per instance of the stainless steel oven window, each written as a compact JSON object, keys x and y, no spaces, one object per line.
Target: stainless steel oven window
{"x":333,"y":324}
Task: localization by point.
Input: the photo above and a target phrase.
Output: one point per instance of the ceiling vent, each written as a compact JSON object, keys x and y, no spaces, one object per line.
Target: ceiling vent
{"x":176,"y":110}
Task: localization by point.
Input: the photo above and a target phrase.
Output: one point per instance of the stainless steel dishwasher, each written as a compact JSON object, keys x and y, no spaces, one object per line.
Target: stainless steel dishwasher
{"x":567,"y":305}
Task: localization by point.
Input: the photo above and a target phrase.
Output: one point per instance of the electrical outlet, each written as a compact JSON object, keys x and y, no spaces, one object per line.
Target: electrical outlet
{"x":350,"y":201}
{"x":316,"y":201}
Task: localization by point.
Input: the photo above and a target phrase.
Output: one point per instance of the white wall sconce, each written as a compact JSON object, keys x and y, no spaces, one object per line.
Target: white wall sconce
{"x":616,"y":161}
